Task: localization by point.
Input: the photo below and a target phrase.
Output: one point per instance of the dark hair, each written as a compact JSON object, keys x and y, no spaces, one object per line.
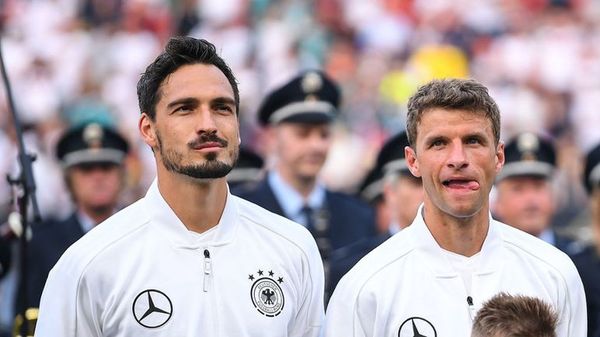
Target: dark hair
{"x":451,"y":94}
{"x":514,"y":316}
{"x":179,"y":51}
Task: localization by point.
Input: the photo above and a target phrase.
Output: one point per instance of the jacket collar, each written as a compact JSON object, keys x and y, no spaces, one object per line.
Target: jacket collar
{"x":170,"y":225}
{"x":433,"y":255}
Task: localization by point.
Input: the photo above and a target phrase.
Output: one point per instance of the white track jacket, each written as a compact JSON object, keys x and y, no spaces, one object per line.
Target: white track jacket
{"x":142,"y":273}
{"x":407,"y":287}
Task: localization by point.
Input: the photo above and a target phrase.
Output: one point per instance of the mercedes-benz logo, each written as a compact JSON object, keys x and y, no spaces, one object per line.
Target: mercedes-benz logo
{"x":152,"y":308}
{"x":416,"y":327}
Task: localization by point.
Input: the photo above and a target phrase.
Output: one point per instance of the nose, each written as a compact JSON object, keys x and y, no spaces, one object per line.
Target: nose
{"x":319,"y":142}
{"x":206,"y":121}
{"x":457,"y":158}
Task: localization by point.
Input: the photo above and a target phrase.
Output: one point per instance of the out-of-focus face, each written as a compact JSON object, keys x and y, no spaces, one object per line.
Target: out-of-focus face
{"x":525,"y":202}
{"x":301,"y":149}
{"x":457,"y":159}
{"x":403,"y":197}
{"x":95,"y":187}
{"x":195,"y":132}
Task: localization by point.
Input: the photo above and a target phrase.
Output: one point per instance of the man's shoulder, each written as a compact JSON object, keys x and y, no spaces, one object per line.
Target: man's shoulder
{"x":375,"y":265}
{"x":102,"y":237}
{"x":270,"y":223}
{"x":537,"y":251}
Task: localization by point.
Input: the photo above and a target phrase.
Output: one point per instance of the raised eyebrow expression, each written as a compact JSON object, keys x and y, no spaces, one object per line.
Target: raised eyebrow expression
{"x":189,"y":103}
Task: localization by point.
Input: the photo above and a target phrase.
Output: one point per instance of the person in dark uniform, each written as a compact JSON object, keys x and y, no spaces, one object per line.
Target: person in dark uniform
{"x":93,"y":160}
{"x":525,"y":198}
{"x":248,"y":169}
{"x":297,"y":118}
{"x":5,"y":257}
{"x":394,"y":193}
{"x":587,"y":259}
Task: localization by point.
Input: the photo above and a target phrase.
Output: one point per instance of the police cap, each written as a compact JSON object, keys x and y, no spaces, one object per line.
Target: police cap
{"x":390,"y":160}
{"x":592,"y":169}
{"x":311,"y":97}
{"x":528,"y":154}
{"x":89,"y":144}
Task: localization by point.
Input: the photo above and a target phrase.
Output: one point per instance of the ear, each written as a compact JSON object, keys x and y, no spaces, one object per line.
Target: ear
{"x":499,"y":156}
{"x":411,"y":160}
{"x":146,"y":127}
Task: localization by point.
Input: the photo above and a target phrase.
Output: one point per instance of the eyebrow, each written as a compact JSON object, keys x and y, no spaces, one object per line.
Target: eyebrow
{"x":194,"y":101}
{"x":182,"y":101}
{"x":223,"y":100}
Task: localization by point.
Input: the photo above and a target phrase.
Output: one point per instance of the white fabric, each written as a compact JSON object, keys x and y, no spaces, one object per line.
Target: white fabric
{"x":92,"y":289}
{"x":408,"y":279}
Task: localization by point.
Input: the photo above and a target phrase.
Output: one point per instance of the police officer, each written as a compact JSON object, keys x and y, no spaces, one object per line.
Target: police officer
{"x":393,"y":192}
{"x":587,"y":259}
{"x":93,"y":157}
{"x":247,"y":170}
{"x":525,"y":198}
{"x":298,"y":117}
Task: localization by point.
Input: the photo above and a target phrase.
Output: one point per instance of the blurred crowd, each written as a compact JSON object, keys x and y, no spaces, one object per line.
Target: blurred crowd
{"x":75,"y":61}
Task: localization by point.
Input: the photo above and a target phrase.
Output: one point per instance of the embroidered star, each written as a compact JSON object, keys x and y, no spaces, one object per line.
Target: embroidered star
{"x":271,"y":273}
{"x":251,"y":277}
{"x":260,"y":272}
{"x":280,"y":280}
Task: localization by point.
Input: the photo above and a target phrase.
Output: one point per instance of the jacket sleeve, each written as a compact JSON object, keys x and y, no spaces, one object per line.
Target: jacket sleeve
{"x":573,"y":321}
{"x":311,"y":312}
{"x":343,"y":317}
{"x":63,"y":309}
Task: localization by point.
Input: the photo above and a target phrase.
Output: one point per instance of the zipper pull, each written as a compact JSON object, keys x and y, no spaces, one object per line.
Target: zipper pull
{"x":471,"y":307}
{"x":207,"y":269}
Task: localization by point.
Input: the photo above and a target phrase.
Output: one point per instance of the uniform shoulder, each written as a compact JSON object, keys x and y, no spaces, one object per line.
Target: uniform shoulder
{"x":347,"y":200}
{"x":77,"y":257}
{"x":376,"y":264}
{"x":536,"y":249}
{"x":289,"y":230}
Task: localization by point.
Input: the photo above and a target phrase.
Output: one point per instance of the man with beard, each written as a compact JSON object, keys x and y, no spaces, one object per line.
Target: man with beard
{"x":431,"y":278}
{"x":297,"y":118}
{"x":92,"y":156}
{"x":188,"y":259}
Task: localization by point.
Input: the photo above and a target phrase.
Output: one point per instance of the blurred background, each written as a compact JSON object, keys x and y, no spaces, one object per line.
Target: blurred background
{"x":72,"y":61}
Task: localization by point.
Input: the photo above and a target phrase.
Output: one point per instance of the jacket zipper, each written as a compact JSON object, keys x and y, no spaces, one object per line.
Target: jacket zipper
{"x":207,"y":270}
{"x":471,"y":307}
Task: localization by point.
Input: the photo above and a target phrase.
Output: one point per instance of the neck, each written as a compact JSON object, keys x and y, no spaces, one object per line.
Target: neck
{"x":462,"y":236}
{"x":199,"y":204}
{"x":303,"y":185}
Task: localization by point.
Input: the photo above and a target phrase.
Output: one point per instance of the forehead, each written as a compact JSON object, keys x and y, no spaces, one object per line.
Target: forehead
{"x":446,"y":122}
{"x":188,"y":79}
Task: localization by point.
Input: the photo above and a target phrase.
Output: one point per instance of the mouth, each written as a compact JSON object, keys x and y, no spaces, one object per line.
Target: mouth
{"x":461,"y":184}
{"x":207,"y":146}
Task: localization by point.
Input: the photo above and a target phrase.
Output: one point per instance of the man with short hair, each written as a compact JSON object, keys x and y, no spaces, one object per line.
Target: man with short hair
{"x":525,"y":197}
{"x":587,"y":257}
{"x":505,"y":315}
{"x":432,"y":277}
{"x":188,"y":259}
{"x":298,"y":119}
{"x":93,"y":159}
{"x":394,"y":193}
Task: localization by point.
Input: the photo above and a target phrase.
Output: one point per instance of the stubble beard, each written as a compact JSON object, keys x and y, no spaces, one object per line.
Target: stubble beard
{"x":212,"y":168}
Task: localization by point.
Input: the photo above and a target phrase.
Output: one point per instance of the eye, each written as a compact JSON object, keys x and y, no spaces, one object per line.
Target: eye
{"x":437,"y":143}
{"x":183,"y":109}
{"x":224,"y":108}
